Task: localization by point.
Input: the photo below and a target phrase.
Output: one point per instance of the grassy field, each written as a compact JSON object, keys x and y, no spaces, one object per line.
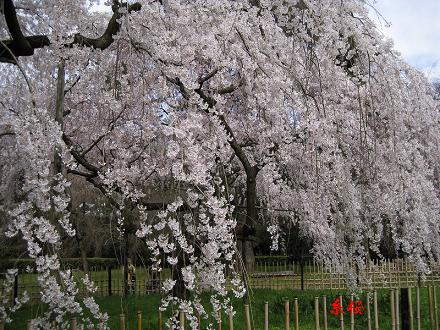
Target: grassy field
{"x":148,"y":304}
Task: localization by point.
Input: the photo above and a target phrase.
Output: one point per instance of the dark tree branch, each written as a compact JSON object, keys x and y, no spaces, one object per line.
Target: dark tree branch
{"x":20,"y":45}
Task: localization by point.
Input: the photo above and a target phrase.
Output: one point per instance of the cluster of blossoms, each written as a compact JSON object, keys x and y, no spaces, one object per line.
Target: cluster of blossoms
{"x":298,"y":107}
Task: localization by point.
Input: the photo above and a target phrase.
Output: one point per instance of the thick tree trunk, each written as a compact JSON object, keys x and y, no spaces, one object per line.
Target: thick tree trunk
{"x":85,"y":263}
{"x":179,"y":289}
{"x":251,"y":217}
{"x":404,"y":308}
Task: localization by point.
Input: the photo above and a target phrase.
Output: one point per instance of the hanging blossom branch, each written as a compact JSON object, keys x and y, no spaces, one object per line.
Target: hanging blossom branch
{"x":19,"y":45}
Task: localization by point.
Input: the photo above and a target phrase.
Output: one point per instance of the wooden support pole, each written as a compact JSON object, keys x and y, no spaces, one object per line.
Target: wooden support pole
{"x":431,"y":309}
{"x":411,"y":313}
{"x":296,"y":308}
{"x":396,"y":300}
{"x":73,"y":324}
{"x":2,"y":324}
{"x":247,"y":317}
{"x":159,"y":321}
{"x":368,"y":311}
{"x":139,"y":320}
{"x":341,"y":315}
{"x":352,"y":314}
{"x":435,"y":307}
{"x":418,"y":307}
{"x":317,"y":327}
{"x":376,"y":312}
{"x":286,"y":315}
{"x":266,"y":316}
{"x":219,"y":327}
{"x":231,"y":319}
{"x":182,"y":320}
{"x":393,"y":310}
{"x":29,"y":325}
{"x":324,"y":310}
{"x":121,"y":321}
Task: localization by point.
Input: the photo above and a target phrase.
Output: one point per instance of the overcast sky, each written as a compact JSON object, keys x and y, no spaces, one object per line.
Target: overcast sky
{"x":415,"y":29}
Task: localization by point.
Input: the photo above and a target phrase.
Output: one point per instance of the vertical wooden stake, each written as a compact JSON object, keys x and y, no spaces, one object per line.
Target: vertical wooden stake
{"x":182,"y":320}
{"x":418,"y":307}
{"x":247,"y":317}
{"x":435,"y":307}
{"x":368,"y":312}
{"x":431,"y":309}
{"x":324,"y":309}
{"x":296,"y":314}
{"x":266,"y":316}
{"x":341,"y":315}
{"x":396,"y":300}
{"x":393,"y":311}
{"x":28,"y":325}
{"x":231,"y":319}
{"x":121,"y":321}
{"x":220,"y":320}
{"x":139,"y":320}
{"x":352,"y":314}
{"x":159,"y":321}
{"x":2,"y":324}
{"x":73,"y":324}
{"x":376,"y":312}
{"x":411,"y":314}
{"x":317,"y":327}
{"x":286,"y":315}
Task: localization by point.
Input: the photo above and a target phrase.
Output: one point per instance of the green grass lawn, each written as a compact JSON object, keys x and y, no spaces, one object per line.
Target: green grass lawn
{"x":148,"y":304}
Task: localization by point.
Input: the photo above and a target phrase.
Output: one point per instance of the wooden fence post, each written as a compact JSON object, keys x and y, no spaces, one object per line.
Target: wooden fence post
{"x":266,"y":316}
{"x":182,"y":320}
{"x":121,"y":321}
{"x":393,"y":310}
{"x":368,"y":312}
{"x":352,"y":313}
{"x":431,"y":309}
{"x":29,"y":325}
{"x":396,"y":300}
{"x":341,"y":315}
{"x":296,"y":308}
{"x":139,"y":320}
{"x":159,"y":321}
{"x":324,"y":310}
{"x":73,"y":323}
{"x":435,"y":307}
{"x":411,"y":313}
{"x":418,"y":307}
{"x":219,"y":320}
{"x":247,"y":317}
{"x":317,"y":327}
{"x":286,"y":315}
{"x":376,"y":315}
{"x":231,"y":319}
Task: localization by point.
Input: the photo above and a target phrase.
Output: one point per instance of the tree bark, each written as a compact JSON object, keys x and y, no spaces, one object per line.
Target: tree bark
{"x":251,"y":217}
